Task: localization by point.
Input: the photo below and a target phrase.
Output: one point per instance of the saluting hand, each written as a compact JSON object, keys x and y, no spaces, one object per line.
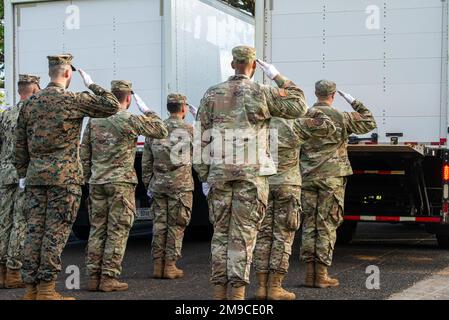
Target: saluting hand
{"x":268,"y":69}
{"x":350,"y":99}
{"x":192,"y":110}
{"x":141,"y":104}
{"x":86,"y":78}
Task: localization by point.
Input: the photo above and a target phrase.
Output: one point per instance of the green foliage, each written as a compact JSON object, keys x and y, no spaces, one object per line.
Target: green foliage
{"x":248,"y":6}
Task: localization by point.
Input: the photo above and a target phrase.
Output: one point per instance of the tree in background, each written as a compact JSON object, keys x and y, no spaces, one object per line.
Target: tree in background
{"x":248,"y":6}
{"x":2,"y":44}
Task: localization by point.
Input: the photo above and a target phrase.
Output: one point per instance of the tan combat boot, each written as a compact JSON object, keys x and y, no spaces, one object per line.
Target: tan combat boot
{"x":2,"y":275}
{"x":238,"y":293}
{"x":275,"y":290}
{"x":261,"y":292}
{"x":31,"y":292}
{"x":109,"y":284}
{"x":94,"y":283}
{"x":158,"y":268}
{"x":310,"y":276}
{"x":46,"y":291}
{"x":13,"y":279}
{"x":220,"y":292}
{"x":171,"y":271}
{"x":322,"y":277}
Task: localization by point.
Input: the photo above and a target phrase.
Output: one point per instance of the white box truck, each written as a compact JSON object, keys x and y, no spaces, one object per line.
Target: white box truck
{"x":393,"y":55}
{"x":162,"y":46}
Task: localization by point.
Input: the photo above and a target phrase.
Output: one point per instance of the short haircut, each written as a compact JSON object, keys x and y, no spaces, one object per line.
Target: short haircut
{"x":25,"y":88}
{"x":174,"y":107}
{"x":122,"y":95}
{"x":56,"y":71}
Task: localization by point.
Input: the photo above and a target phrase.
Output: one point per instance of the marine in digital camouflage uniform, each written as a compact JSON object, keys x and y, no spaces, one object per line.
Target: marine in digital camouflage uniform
{"x":325,"y":166}
{"x":239,"y":189}
{"x":108,"y":155}
{"x":283,"y":217}
{"x":167,"y":171}
{"x":12,"y":217}
{"x":47,"y":154}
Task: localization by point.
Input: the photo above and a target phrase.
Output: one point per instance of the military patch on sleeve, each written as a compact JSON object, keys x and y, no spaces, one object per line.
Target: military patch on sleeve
{"x":282,"y":92}
{"x":317,"y":122}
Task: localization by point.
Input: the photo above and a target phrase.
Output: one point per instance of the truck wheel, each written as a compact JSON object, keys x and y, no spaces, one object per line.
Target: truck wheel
{"x":81,"y":232}
{"x":443,"y":241}
{"x":346,"y":232}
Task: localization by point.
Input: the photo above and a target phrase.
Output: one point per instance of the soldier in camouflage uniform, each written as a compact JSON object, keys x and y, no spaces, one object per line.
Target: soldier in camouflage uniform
{"x":167,"y":171}
{"x":108,"y":154}
{"x":12,"y":218}
{"x":325,"y":166}
{"x":283,"y":218}
{"x":47,"y":154}
{"x":234,"y":121}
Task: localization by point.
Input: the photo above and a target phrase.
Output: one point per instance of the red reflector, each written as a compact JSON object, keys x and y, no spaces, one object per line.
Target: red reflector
{"x":446,"y":172}
{"x":443,"y":141}
{"x":445,"y":207}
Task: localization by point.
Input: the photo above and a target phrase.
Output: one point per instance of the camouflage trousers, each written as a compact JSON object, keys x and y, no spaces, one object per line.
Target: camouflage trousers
{"x":172,"y":214}
{"x":12,"y":226}
{"x":323,"y":205}
{"x":112,"y":209}
{"x":50,"y":212}
{"x":276,"y":236}
{"x":236,"y":210}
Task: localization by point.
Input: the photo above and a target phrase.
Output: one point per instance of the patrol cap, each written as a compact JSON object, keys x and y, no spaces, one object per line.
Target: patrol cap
{"x":176,"y":98}
{"x":29,"y":78}
{"x":244,"y":54}
{"x":325,"y":88}
{"x":122,"y":85}
{"x":61,"y":60}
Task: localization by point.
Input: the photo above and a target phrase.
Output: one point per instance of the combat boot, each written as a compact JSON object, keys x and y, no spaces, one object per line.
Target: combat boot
{"x":13,"y":279}
{"x":31,"y":292}
{"x":322,"y":277}
{"x":220,"y":292}
{"x":238,"y":293}
{"x":158,"y":268}
{"x":46,"y":291}
{"x":261,"y":292}
{"x":275,"y":290}
{"x":2,"y":275}
{"x":310,"y":276}
{"x":94,"y":283}
{"x":171,"y":271}
{"x":109,"y":284}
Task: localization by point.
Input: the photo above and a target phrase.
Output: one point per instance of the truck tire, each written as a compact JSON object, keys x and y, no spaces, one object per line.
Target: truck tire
{"x":81,"y":232}
{"x":346,"y":232}
{"x":443,"y":240}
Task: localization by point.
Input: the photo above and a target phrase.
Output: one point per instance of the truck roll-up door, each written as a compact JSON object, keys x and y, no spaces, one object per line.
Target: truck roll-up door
{"x":390,"y":54}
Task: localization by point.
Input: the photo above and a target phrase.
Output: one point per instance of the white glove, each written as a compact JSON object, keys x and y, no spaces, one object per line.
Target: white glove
{"x":22,"y":183}
{"x":150,"y":194}
{"x":141,"y":104}
{"x":86,"y":78}
{"x":347,"y":97}
{"x":192,"y":110}
{"x":268,"y":69}
{"x":206,"y":189}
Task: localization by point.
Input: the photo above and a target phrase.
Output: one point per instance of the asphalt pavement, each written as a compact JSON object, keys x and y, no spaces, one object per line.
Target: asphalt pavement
{"x":408,"y":261}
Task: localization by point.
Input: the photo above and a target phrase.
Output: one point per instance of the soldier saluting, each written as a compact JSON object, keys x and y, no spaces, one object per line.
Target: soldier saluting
{"x":325,"y":166}
{"x":239,"y":188}
{"x":47,"y":155}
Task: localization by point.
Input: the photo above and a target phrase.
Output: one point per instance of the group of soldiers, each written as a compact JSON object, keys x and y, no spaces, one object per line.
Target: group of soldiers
{"x":255,"y":207}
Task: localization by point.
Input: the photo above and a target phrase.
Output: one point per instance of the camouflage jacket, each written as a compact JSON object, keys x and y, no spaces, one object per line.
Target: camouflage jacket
{"x":8,"y":123}
{"x":167,"y":163}
{"x":328,"y":157}
{"x":48,"y":133}
{"x":109,"y":146}
{"x":233,"y":124}
{"x":291,"y":134}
